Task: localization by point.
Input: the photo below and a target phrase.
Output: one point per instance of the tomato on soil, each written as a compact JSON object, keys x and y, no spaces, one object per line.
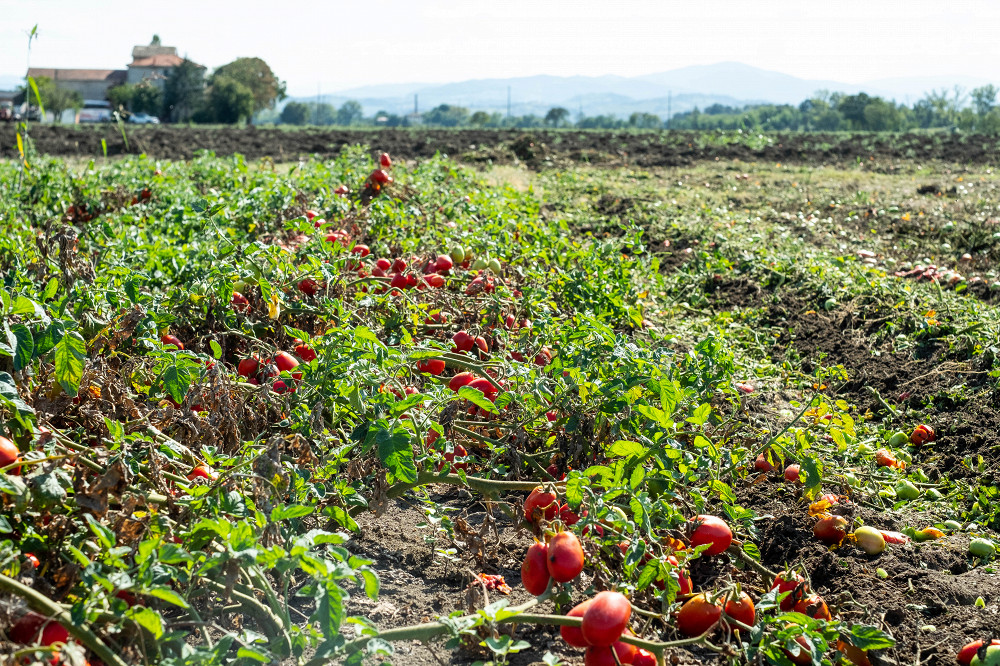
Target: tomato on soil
{"x":602,"y":656}
{"x":606,"y":618}
{"x":534,"y":569}
{"x":172,"y":340}
{"x":711,"y":530}
{"x":460,"y":380}
{"x":789,"y":582}
{"x":573,"y":635}
{"x":792,"y":473}
{"x":541,"y":503}
{"x":966,"y":654}
{"x":813,"y":606}
{"x":643,"y":658}
{"x":830,"y":528}
{"x":565,"y":557}
{"x":698,"y":615}
{"x":203,"y":472}
{"x":742,"y":609}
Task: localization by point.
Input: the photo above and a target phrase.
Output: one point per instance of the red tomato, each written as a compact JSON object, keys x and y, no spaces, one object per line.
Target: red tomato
{"x":202,"y":472}
{"x":885,"y":459}
{"x":32,"y":628}
{"x":566,"y":514}
{"x":543,"y":502}
{"x":240,"y":302}
{"x":285,"y":361}
{"x":309,"y":287}
{"x":698,"y":615}
{"x":385,"y":161}
{"x":606,"y":618}
{"x":573,"y":635}
{"x":792,"y":473}
{"x":381,"y":177}
{"x":859,"y":657}
{"x":484,"y":346}
{"x":432,"y":366}
{"x":281,"y":387}
{"x":463,"y":341}
{"x":171,"y":340}
{"x":399,"y":265}
{"x":434,"y":281}
{"x":789,"y":582}
{"x":460,"y":380}
{"x":9,"y":453}
{"x":762,"y":464}
{"x":248,"y":367}
{"x":644,"y":658}
{"x":922,"y":434}
{"x":804,"y":657}
{"x":459,"y":452}
{"x":443,"y":263}
{"x":534,"y":569}
{"x":830,"y":528}
{"x":742,"y":609}
{"x":711,"y":530}
{"x":484,"y":385}
{"x":966,"y":654}
{"x":602,"y":656}
{"x":813,"y":606}
{"x":544,"y":357}
{"x":399,"y":281}
{"x":310,"y":214}
{"x":360,"y":249}
{"x":565,"y":557}
{"x":305,"y":352}
{"x":384,"y":264}
{"x":31,"y":560}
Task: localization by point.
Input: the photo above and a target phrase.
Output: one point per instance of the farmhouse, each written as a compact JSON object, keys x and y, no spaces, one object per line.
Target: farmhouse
{"x":152,"y":63}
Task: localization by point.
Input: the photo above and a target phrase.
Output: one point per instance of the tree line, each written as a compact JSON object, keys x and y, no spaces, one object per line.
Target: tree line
{"x":976,"y":110}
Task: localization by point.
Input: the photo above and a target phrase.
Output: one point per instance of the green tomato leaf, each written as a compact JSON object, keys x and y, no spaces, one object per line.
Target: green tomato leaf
{"x":70,"y":354}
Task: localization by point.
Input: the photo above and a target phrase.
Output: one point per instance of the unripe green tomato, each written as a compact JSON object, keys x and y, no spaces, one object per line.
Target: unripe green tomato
{"x":898,"y":439}
{"x":494,"y":265}
{"x":829,"y":304}
{"x":479,"y":264}
{"x":906,"y":490}
{"x":933,"y":494}
{"x":992,"y":657}
{"x":952,"y":525}
{"x":457,"y":254}
{"x":983,"y":548}
{"x":239,"y":285}
{"x":469,"y":253}
{"x":869,"y":540}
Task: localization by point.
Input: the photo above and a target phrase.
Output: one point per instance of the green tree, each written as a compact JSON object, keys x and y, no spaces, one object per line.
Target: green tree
{"x":556,"y":116}
{"x":254,"y":74}
{"x":121,"y":96}
{"x":323,"y":114}
{"x":984,"y":99}
{"x":447,"y":115}
{"x":295,"y":113}
{"x":645,"y":120}
{"x":146,"y":98}
{"x":479,"y":119}
{"x":349,"y":113}
{"x":229,"y":101}
{"x":183,"y":92}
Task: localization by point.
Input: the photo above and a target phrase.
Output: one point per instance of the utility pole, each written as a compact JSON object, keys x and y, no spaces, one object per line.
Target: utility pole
{"x":415,"y":108}
{"x":670,"y":94}
{"x":508,"y":105}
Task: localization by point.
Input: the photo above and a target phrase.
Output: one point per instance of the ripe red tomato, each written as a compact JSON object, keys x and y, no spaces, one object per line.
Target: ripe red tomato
{"x":203,"y":472}
{"x":483,"y":346}
{"x":31,"y":560}
{"x":644,"y":658}
{"x":762,"y":464}
{"x":543,"y":357}
{"x":459,"y":452}
{"x":240,"y":302}
{"x":830,"y":528}
{"x":306,"y":353}
{"x":804,"y":657}
{"x":434,"y":281}
{"x":285,"y":361}
{"x":460,"y":380}
{"x":566,"y":514}
{"x":361,"y":250}
{"x":789,"y":582}
{"x":534,"y":569}
{"x":792,"y":473}
{"x":309,"y":287}
{"x":573,"y":635}
{"x":172,"y":340}
{"x":385,"y":161}
{"x":384,"y":264}
{"x":711,"y":530}
{"x":463,"y":341}
{"x":922,"y":434}
{"x":602,"y":656}
{"x":885,"y":459}
{"x":606,"y":618}
{"x":443,"y":263}
{"x":380,"y":177}
{"x":399,"y":265}
{"x":281,"y":387}
{"x":698,"y":615}
{"x":742,"y":609}
{"x":9,"y":453}
{"x":565,"y":557}
{"x":966,"y":654}
{"x":859,"y":657}
{"x":32,"y":628}
{"x":248,"y":367}
{"x":484,"y":385}
{"x":432,"y":366}
{"x":543,"y":502}
{"x":813,"y":606}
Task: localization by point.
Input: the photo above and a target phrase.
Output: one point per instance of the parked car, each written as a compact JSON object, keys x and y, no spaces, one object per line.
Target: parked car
{"x":8,"y":113}
{"x":143,"y":119}
{"x":95,"y":111}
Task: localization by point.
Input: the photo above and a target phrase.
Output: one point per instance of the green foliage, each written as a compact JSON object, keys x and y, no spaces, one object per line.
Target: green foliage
{"x":255,"y":75}
{"x":183,"y":92}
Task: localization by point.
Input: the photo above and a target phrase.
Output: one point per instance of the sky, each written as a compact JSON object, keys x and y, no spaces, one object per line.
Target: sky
{"x":340,"y":44}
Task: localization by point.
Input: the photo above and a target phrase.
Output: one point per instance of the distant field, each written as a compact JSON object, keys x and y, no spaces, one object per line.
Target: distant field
{"x":534,"y":147}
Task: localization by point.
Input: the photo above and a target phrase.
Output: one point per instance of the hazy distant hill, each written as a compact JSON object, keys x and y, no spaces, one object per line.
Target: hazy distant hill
{"x":729,"y":83}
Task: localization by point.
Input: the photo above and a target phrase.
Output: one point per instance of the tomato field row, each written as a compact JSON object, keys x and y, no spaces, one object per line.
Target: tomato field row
{"x":726,"y":413}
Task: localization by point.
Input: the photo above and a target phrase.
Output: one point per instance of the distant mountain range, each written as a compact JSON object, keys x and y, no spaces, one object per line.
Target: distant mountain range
{"x":678,"y":90}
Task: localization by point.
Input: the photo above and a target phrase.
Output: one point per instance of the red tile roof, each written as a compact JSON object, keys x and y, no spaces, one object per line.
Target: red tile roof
{"x":158,"y":61}
{"x":78,"y":74}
